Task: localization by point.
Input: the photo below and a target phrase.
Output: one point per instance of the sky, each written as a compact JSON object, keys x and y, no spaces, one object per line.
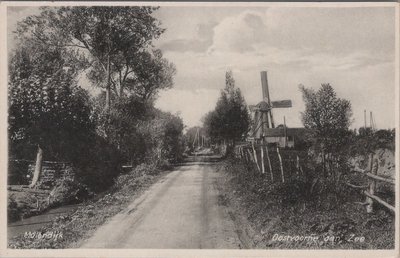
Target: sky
{"x":353,"y":49}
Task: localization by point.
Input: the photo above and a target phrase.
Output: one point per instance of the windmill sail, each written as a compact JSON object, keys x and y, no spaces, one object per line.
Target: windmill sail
{"x":281,"y":104}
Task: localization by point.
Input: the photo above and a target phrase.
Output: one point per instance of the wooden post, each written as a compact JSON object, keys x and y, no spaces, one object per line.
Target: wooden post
{"x":250,"y":155}
{"x":365,"y":118}
{"x":370,"y":119}
{"x":262,"y":157}
{"x":369,"y":200}
{"x":285,"y":131}
{"x":246,"y":159}
{"x":323,"y":164}
{"x":281,"y":165}
{"x":297,"y":164}
{"x":38,"y":167}
{"x":255,"y":156}
{"x":269,"y":163}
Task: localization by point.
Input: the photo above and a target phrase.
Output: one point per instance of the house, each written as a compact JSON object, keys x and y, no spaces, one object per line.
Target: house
{"x":285,"y":137}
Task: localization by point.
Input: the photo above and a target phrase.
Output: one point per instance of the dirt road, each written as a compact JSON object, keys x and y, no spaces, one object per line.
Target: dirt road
{"x":183,"y":210}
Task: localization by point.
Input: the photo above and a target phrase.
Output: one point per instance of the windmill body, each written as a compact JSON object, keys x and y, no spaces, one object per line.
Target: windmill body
{"x":263,"y":116}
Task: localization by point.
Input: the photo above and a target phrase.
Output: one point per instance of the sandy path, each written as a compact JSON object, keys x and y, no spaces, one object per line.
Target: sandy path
{"x":182,"y":210}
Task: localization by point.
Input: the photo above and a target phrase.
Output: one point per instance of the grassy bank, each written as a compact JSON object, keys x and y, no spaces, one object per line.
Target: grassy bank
{"x":72,"y":228}
{"x":287,"y":216}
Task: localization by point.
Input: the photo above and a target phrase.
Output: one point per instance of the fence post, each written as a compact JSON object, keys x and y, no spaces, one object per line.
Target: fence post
{"x":255,"y":156}
{"x":246,"y":158}
{"x":250,"y":156}
{"x":371,"y":188}
{"x":262,"y":159}
{"x":297,"y":164}
{"x":269,"y":163}
{"x":280,"y":163}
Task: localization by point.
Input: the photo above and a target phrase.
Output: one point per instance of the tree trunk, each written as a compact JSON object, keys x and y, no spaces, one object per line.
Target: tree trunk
{"x":108,"y":86}
{"x":323,"y":163}
{"x":121,"y":91}
{"x":38,"y":167}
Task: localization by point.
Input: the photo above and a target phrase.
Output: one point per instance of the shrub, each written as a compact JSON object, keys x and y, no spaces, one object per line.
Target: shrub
{"x":14,"y":212}
{"x":68,"y":191}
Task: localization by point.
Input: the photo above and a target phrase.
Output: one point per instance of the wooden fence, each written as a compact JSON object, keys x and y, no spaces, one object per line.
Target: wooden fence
{"x":278,"y":163}
{"x":275,"y":162}
{"x":51,"y":170}
{"x":370,"y":189}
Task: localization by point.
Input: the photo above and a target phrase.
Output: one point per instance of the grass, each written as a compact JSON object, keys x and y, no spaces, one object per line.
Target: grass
{"x":82,"y":223}
{"x":283,"y":210}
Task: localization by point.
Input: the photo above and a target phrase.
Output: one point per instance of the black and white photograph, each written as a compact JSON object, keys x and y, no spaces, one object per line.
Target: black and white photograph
{"x":136,"y":127}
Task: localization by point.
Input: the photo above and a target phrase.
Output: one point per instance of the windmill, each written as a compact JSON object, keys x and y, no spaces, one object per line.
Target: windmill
{"x":263,"y":116}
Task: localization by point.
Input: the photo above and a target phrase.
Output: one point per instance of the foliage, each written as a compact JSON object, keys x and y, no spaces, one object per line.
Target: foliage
{"x":230,"y":120}
{"x":80,"y":223}
{"x":151,"y":73}
{"x":328,"y":118}
{"x":367,"y":141}
{"x":191,"y":139}
{"x":14,"y":212}
{"x":297,"y":208}
{"x":114,"y":45}
{"x":67,"y":191}
{"x":47,"y":108}
{"x":163,"y":137}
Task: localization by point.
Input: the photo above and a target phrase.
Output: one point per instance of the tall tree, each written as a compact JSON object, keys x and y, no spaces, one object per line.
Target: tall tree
{"x":230,"y":120}
{"x":329,"y":118}
{"x":47,"y":109}
{"x":111,"y":38}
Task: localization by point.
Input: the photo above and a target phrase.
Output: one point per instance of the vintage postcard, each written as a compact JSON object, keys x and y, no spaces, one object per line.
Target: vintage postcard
{"x":198,"y":129}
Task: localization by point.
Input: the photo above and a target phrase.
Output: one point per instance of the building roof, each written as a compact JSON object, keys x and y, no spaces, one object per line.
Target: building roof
{"x":280,"y":132}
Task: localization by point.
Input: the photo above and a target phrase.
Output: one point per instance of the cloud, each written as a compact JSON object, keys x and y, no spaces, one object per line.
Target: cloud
{"x":201,"y":41}
{"x":238,"y":33}
{"x":351,"y":48}
{"x":192,"y":104}
{"x":185,"y":45}
{"x":338,"y":31}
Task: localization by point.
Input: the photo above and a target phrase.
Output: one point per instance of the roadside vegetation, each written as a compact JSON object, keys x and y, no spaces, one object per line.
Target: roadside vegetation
{"x":79,"y":225}
{"x":315,"y":199}
{"x":82,"y":86}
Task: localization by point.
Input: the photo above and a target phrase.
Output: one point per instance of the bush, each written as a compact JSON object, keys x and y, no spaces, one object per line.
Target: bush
{"x":67,"y":191}
{"x":14,"y":212}
{"x":99,"y":165}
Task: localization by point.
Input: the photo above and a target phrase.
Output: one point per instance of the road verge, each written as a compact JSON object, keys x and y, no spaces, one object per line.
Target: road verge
{"x":68,"y":230}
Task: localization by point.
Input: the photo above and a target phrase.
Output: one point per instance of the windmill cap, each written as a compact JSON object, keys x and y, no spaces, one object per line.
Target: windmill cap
{"x":263,"y":106}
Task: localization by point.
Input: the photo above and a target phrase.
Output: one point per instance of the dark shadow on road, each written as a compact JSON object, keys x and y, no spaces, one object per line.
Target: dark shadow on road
{"x":200,"y":160}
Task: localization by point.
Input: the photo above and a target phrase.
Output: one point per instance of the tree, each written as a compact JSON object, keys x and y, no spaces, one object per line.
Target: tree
{"x":111,"y":40}
{"x":47,"y":109}
{"x":163,"y":137}
{"x":151,"y":73}
{"x":230,"y":120}
{"x":328,"y":118}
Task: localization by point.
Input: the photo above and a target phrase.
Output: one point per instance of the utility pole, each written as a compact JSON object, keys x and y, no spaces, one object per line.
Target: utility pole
{"x":370,"y":119}
{"x":365,"y":119}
